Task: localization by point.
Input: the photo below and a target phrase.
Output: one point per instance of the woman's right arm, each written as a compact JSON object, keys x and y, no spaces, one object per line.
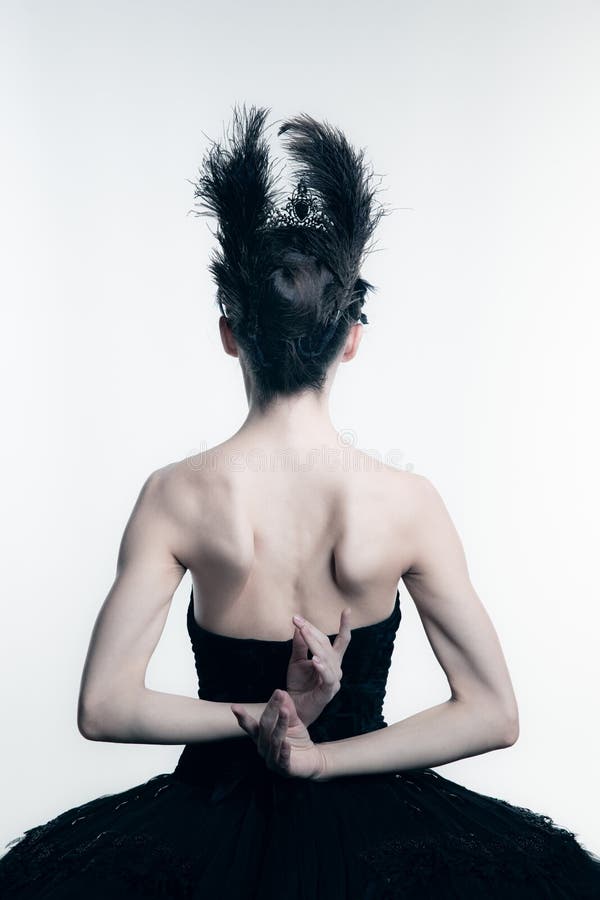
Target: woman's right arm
{"x":114,"y":703}
{"x":481,"y":713}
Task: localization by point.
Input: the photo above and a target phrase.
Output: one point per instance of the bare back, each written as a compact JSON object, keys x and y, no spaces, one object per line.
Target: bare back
{"x":262,"y":541}
{"x":311,"y":535}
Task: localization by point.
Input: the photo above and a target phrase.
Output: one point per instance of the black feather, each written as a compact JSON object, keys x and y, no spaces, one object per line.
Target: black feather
{"x":238,"y":186}
{"x":344,"y":181}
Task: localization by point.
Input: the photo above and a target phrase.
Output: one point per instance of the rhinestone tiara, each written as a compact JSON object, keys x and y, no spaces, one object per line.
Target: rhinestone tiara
{"x":302,"y":209}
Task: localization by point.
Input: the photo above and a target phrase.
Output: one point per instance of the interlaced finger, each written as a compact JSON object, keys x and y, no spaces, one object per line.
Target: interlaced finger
{"x":319,"y":643}
{"x":278,"y":734}
{"x":267,"y":723}
{"x":344,"y":635}
{"x":330,"y":672}
{"x":316,"y":640}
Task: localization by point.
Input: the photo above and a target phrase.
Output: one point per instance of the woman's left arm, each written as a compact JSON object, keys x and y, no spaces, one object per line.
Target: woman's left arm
{"x":114,"y":703}
{"x":481,"y":713}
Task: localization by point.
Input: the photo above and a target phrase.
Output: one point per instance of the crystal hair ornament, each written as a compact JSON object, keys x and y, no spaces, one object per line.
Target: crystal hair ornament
{"x":303,"y":209}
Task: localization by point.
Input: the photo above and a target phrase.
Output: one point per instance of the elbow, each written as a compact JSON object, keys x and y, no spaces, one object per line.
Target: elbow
{"x":508,"y":726}
{"x":92,"y":720}
{"x":88,"y":721}
{"x":109,"y":717}
{"x":510,"y":729}
{"x":499,"y":721}
{"x":88,"y":728}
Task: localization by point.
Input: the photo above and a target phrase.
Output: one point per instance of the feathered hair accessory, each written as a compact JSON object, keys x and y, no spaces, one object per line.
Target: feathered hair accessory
{"x":331,"y":216}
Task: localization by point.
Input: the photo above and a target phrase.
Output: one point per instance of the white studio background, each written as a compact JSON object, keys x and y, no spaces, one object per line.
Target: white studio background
{"x":478,"y":368}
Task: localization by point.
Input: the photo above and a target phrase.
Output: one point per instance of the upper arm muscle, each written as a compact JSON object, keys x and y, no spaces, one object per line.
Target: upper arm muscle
{"x":134,"y":612}
{"x":456,"y":623}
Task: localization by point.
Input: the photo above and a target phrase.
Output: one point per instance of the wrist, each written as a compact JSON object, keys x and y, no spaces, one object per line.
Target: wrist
{"x":255,"y":709}
{"x":324,"y":771}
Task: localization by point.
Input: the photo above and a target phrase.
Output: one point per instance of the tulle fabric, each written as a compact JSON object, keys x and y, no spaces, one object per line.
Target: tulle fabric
{"x":222,"y":825}
{"x":386,"y":837}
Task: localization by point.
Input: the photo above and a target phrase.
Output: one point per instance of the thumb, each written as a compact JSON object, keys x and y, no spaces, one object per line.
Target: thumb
{"x":245,"y":720}
{"x":299,"y":645}
{"x":290,"y":705}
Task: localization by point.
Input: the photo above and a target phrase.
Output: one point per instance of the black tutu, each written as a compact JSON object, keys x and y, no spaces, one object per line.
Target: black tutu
{"x":223,"y":826}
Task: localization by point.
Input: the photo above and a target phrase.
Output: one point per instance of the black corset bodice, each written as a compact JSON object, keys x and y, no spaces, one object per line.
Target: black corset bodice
{"x":238,"y":670}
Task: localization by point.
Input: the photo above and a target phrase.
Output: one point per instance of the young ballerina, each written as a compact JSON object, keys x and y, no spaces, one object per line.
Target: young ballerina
{"x":291,"y":784}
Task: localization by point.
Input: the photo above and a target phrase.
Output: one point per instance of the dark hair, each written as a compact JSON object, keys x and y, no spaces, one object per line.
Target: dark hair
{"x":288,"y":283}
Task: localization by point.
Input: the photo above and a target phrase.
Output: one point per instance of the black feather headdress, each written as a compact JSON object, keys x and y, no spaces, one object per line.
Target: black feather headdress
{"x":331,"y":216}
{"x":337,"y":173}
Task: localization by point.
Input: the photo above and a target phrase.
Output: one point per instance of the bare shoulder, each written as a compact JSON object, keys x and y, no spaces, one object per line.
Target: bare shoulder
{"x":410,"y":494}
{"x":167,"y":491}
{"x":193,"y":491}
{"x":416,"y":512}
{"x":421,"y":494}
